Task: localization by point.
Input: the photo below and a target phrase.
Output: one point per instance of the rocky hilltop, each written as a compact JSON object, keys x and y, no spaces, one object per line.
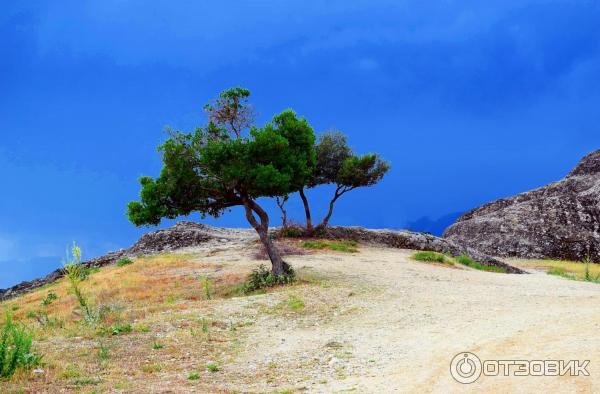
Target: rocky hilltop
{"x":195,"y":235}
{"x":182,"y":235}
{"x":560,"y":220}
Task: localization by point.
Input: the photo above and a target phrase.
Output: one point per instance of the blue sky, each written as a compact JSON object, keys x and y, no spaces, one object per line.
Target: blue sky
{"x":469,"y":100}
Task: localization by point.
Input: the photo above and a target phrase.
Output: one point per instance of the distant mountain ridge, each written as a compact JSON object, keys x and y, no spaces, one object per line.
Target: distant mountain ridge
{"x":433,"y":226}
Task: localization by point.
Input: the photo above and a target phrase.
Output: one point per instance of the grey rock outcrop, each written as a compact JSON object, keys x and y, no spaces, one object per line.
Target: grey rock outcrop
{"x":182,"y":235}
{"x":559,"y":221}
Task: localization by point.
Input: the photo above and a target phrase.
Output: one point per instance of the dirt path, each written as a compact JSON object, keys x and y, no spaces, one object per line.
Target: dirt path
{"x":393,"y":325}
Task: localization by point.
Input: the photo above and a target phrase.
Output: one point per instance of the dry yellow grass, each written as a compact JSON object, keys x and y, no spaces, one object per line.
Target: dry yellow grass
{"x":575,"y":268}
{"x":156,"y":300}
{"x":150,"y":285}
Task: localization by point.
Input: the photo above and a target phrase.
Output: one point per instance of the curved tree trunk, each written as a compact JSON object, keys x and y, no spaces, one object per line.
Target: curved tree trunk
{"x":262,"y":228}
{"x":309,"y":226}
{"x":325,"y":221}
{"x":339,"y":191}
{"x":281,"y":203}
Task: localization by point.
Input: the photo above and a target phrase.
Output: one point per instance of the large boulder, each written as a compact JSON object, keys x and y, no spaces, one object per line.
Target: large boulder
{"x":181,"y":235}
{"x":559,"y":221}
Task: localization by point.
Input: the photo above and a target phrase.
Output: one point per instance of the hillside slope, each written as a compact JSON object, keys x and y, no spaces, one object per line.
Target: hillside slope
{"x":200,"y":236}
{"x":371,"y":321}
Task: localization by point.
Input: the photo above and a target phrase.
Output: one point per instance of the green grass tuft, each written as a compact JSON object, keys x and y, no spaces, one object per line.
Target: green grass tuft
{"x":207,"y":286}
{"x":338,"y":246}
{"x":587,"y":275}
{"x":103,"y":352}
{"x":469,"y":262}
{"x":49,"y":299}
{"x":194,"y":376}
{"x":562,"y":273}
{"x":124,"y":261}
{"x":152,"y":368}
{"x":431,"y":257}
{"x":295,"y":303}
{"x":86,"y":382}
{"x":116,"y":329}
{"x":157,"y":345}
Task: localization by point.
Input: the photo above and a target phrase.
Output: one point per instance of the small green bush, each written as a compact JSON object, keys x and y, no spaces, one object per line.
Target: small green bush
{"x":15,"y":348}
{"x":212,"y":367}
{"x":469,"y":262}
{"x":194,"y":376}
{"x":49,"y":299}
{"x":124,"y":261}
{"x":157,"y":345}
{"x":262,"y":278}
{"x":120,"y":328}
{"x":291,"y":232}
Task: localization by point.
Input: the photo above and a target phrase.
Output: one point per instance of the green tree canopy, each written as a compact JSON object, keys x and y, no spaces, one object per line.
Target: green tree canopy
{"x":337,"y":164}
{"x":229,"y":163}
{"x":331,"y":151}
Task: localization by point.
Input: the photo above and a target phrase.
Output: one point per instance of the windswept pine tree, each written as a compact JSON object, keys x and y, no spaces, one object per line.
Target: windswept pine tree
{"x":337,"y":164}
{"x":229,"y":162}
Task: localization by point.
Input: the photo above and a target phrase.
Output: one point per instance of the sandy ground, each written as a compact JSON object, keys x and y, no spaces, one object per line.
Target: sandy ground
{"x":395,"y":324}
{"x":375,"y":321}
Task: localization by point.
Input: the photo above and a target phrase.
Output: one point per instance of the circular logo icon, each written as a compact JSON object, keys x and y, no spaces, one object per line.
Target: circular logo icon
{"x":465,"y":368}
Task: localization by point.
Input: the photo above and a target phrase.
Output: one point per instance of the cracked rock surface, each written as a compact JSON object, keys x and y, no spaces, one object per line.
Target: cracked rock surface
{"x":558,"y":221}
